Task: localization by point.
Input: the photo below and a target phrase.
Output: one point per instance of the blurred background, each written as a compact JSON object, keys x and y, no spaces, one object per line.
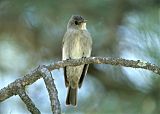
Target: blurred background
{"x":31,"y":34}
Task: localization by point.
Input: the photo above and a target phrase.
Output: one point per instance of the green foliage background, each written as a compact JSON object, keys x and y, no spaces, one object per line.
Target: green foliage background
{"x":31,"y":33}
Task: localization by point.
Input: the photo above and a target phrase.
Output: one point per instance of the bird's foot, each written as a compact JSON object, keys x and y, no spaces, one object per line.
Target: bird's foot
{"x":69,"y":59}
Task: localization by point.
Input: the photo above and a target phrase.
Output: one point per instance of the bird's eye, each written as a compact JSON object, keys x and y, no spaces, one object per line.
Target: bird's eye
{"x":76,"y":22}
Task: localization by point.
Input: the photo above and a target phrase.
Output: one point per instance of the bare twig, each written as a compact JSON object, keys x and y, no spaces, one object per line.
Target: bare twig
{"x":12,"y":89}
{"x":30,"y":105}
{"x":108,"y":60}
{"x":16,"y":88}
{"x":49,"y":82}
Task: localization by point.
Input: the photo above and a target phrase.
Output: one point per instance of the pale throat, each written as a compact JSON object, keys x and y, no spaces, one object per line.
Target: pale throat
{"x":83,"y":26}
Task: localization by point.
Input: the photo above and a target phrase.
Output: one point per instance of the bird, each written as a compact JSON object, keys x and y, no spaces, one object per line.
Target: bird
{"x":76,"y":44}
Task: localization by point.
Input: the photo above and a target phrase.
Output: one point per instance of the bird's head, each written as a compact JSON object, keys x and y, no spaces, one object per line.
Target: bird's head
{"x":77,"y":22}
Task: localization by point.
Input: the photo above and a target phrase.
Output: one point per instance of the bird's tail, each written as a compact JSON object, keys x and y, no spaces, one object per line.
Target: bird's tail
{"x":71,"y":96}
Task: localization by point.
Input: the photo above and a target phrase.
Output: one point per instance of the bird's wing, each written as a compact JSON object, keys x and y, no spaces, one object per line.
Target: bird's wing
{"x":85,"y":68}
{"x":65,"y":77}
{"x":87,"y":54}
{"x":63,"y":58}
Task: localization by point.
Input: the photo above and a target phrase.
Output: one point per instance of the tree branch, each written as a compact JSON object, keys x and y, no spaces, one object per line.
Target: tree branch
{"x":14,"y":87}
{"x":106,"y":60}
{"x":49,"y":82}
{"x":30,"y":105}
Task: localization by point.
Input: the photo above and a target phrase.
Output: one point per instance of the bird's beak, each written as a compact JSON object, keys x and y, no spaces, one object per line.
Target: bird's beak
{"x":84,"y":21}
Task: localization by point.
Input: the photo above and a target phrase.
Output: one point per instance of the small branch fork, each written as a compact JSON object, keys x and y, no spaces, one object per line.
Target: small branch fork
{"x":18,"y":86}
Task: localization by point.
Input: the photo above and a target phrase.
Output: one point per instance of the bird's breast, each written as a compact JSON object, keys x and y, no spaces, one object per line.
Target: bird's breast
{"x":77,"y":44}
{"x":76,"y":47}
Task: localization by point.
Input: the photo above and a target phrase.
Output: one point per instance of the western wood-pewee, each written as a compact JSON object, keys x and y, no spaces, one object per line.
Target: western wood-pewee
{"x":77,"y":43}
